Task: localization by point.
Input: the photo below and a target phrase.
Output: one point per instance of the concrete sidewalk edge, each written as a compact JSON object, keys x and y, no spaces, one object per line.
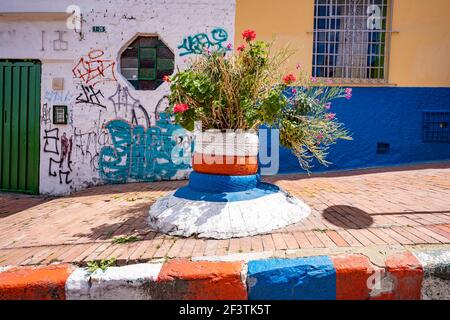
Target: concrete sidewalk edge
{"x":406,"y":275}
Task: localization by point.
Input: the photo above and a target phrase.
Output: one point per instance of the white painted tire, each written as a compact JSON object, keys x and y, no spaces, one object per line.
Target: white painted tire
{"x":233,"y":143}
{"x":223,"y":220}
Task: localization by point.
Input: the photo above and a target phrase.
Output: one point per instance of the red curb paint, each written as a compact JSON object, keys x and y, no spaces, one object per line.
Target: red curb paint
{"x":34,"y":283}
{"x":205,"y":280}
{"x":407,"y":273}
{"x":352,"y":272}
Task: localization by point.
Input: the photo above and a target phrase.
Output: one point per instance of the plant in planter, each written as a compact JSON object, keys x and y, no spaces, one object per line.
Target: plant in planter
{"x":248,"y":89}
{"x":231,"y":96}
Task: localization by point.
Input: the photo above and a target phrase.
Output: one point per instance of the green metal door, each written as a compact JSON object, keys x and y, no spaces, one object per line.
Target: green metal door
{"x":19,"y":125}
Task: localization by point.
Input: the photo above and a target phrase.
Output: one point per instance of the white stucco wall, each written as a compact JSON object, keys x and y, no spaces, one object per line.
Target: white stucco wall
{"x":29,"y":30}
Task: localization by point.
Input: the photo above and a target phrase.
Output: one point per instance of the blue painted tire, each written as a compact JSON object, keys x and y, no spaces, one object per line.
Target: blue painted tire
{"x":212,"y":183}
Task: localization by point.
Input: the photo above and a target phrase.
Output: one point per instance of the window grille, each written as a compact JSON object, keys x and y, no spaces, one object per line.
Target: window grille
{"x":436,"y":126}
{"x":350,"y":40}
{"x":146,"y":61}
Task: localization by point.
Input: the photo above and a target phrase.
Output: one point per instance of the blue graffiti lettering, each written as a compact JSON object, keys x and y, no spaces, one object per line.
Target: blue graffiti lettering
{"x":197,"y":43}
{"x":138,"y":154}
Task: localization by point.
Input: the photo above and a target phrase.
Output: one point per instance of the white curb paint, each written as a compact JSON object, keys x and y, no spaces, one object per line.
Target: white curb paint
{"x":4,"y":268}
{"x":224,"y":220}
{"x":436,"y":277}
{"x":78,"y":284}
{"x":131,"y":282}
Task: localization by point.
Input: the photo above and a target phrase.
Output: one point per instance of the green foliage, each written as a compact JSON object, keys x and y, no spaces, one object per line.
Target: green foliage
{"x":104,"y":264}
{"x":247,"y":89}
{"x":125,"y":239}
{"x":238,"y":91}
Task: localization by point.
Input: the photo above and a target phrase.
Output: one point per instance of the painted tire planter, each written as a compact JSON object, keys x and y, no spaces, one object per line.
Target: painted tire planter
{"x":225,"y":197}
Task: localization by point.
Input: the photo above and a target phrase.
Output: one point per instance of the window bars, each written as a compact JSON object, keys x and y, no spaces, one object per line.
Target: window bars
{"x":436,"y":126}
{"x":350,"y":40}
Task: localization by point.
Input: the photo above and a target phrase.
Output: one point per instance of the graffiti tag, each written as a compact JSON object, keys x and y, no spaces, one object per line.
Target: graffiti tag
{"x":93,"y":69}
{"x":196,"y":44}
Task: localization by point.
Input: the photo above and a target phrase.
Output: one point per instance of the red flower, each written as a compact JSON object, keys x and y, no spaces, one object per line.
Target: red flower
{"x":166,"y":79}
{"x":290,"y":78}
{"x":249,"y":35}
{"x":180,"y":107}
{"x":241,"y":48}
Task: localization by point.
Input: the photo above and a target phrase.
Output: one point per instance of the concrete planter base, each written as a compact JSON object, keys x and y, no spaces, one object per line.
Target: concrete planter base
{"x":184,"y":213}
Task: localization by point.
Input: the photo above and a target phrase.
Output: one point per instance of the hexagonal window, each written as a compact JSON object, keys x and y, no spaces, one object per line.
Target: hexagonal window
{"x":146,"y":61}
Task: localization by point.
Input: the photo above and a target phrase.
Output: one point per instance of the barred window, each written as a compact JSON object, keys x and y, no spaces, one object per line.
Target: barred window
{"x":350,"y":40}
{"x":146,"y":61}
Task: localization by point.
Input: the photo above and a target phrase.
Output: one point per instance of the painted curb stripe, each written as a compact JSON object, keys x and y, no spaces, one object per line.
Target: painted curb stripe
{"x":34,"y":283}
{"x":203,"y":280}
{"x":405,"y":276}
{"x":133,"y":282}
{"x":312,"y":278}
{"x":352,"y":275}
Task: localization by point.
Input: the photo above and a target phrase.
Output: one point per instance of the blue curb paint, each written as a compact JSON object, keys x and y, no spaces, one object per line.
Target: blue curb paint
{"x":312,"y":278}
{"x":261,"y":190}
{"x":216,"y":183}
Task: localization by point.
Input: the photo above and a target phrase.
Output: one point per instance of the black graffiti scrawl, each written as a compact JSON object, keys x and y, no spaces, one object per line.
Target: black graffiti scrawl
{"x":90,"y":96}
{"x":61,"y":166}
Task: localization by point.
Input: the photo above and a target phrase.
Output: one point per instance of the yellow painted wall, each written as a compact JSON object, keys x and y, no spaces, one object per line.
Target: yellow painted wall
{"x":419,"y":52}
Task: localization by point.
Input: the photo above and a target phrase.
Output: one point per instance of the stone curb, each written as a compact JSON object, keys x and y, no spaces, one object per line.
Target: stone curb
{"x":408,"y":275}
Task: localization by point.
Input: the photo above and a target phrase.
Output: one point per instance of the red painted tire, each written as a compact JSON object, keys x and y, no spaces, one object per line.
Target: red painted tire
{"x":225,"y":165}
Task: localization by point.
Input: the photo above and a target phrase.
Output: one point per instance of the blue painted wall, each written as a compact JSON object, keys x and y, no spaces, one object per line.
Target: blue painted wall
{"x":386,"y":114}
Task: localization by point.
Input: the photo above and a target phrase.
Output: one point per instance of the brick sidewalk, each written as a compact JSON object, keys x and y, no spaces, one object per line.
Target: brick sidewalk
{"x":368,"y":208}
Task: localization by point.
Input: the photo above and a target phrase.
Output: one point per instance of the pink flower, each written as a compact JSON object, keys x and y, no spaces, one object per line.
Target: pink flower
{"x":294,"y":91}
{"x":298,"y":66}
{"x":180,"y":107}
{"x":288,"y":79}
{"x":330,"y":116}
{"x":348,"y":93}
{"x":166,"y":79}
{"x":329,"y":81}
{"x":319,"y":137}
{"x":249,"y":35}
{"x":241,"y":48}
{"x":229,"y":46}
{"x":327,"y":106}
{"x":313,"y":79}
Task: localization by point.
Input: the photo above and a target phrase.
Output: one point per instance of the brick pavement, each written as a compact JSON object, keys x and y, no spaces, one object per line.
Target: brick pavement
{"x":400,"y":206}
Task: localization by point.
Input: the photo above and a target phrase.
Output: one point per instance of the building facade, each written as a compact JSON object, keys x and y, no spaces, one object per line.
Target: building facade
{"x":83,"y":98}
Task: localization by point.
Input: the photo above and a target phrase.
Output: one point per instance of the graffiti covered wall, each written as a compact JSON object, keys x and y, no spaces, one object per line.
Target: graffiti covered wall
{"x":114,"y":133}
